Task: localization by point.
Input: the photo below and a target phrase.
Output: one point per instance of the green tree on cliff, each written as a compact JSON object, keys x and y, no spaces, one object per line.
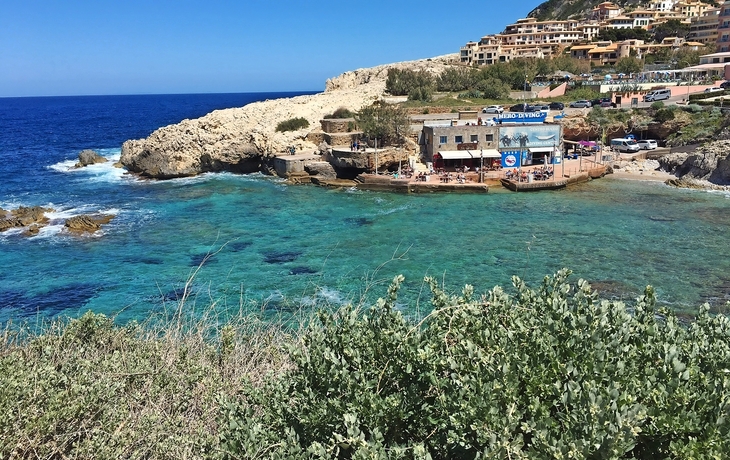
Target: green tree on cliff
{"x":387,"y":123}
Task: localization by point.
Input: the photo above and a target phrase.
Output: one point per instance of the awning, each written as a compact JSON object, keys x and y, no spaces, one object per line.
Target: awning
{"x":455,"y":154}
{"x":468,"y":154}
{"x":540,"y":149}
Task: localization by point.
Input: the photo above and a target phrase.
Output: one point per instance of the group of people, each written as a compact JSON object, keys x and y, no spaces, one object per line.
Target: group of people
{"x":542,"y":173}
{"x":449,"y":177}
{"x":355,"y":146}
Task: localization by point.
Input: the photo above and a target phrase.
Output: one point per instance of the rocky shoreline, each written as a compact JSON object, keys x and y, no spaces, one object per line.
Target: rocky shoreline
{"x":245,"y":139}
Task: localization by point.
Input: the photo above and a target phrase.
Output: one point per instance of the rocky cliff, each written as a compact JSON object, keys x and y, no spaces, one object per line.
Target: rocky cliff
{"x":241,"y":139}
{"x":709,"y":163}
{"x":564,"y":9}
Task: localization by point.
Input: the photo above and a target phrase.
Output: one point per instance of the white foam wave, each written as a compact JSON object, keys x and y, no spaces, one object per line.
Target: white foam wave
{"x":386,"y":212}
{"x":99,"y":172}
{"x":57,"y":219}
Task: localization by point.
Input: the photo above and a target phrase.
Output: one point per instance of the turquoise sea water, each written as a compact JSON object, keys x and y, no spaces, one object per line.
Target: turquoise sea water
{"x":282,"y":247}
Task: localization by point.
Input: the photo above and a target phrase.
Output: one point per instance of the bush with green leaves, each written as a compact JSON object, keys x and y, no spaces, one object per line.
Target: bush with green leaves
{"x":538,"y":374}
{"x":656,"y":105}
{"x":342,"y":112}
{"x":664,"y":114}
{"x":292,"y":124}
{"x":87,"y":388}
{"x":417,"y":86}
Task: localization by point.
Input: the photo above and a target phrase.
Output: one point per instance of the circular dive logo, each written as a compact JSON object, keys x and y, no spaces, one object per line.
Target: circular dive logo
{"x":510,"y":160}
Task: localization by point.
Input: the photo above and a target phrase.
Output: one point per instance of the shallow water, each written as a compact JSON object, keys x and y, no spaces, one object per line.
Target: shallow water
{"x":255,"y":240}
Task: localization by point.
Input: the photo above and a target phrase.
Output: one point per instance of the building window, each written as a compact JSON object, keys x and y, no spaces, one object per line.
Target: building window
{"x":443,"y":140}
{"x":458,"y":139}
{"x":490,"y":137}
{"x":474,"y":138}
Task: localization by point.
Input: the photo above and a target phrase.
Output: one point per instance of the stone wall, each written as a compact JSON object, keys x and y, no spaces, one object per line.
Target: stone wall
{"x":338,"y":125}
{"x":343,"y":139}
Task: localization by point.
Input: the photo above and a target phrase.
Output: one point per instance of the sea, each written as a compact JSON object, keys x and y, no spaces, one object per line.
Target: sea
{"x":255,"y":244}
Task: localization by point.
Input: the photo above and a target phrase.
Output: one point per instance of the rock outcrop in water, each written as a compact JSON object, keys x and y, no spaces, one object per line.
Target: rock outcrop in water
{"x":89,"y":157}
{"x":243,"y":139}
{"x":709,"y":163}
{"x":23,"y":217}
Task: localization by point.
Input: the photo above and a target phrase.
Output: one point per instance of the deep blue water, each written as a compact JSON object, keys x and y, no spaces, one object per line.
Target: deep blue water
{"x":267,"y":245}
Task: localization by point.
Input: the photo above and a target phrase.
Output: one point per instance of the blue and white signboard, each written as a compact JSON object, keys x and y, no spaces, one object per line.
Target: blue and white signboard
{"x":523,"y":137}
{"x":511,"y":158}
{"x":521,"y":117}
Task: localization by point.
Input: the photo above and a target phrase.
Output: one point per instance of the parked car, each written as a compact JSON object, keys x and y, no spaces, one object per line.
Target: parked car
{"x":541,"y":106}
{"x":556,"y":106}
{"x":523,"y":108}
{"x":493,"y":109}
{"x":714,"y":89}
{"x":725,"y":85}
{"x":657,"y":95}
{"x":579,"y":104}
{"x":647,"y":144}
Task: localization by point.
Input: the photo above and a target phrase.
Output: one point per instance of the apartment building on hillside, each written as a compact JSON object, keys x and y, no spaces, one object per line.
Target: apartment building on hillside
{"x":703,"y":29}
{"x":604,"y":11}
{"x":723,"y":28}
{"x":531,"y":38}
{"x":662,"y":5}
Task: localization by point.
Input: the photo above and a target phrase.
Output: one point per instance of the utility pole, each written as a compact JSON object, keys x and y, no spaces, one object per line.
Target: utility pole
{"x":376,"y":155}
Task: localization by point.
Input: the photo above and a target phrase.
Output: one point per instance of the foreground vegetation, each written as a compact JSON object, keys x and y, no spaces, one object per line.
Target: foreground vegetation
{"x":552,"y":372}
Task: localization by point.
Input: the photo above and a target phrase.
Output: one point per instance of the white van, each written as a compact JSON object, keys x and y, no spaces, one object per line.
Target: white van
{"x":658,"y":95}
{"x":624,"y":145}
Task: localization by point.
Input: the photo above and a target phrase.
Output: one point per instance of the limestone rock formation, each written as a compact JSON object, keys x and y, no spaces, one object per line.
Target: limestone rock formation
{"x":23,"y":217}
{"x":321,"y":169}
{"x":241,"y":139}
{"x":710,"y":162}
{"x":89,"y":157}
{"x":86,"y":223}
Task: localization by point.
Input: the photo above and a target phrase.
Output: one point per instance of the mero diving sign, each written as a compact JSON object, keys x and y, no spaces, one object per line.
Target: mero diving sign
{"x":521,"y":117}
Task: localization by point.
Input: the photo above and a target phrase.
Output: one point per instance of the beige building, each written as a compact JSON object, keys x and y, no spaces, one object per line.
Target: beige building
{"x":703,"y":29}
{"x":605,"y":11}
{"x":691,"y":8}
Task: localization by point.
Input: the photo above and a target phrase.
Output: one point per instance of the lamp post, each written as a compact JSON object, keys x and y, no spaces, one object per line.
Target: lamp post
{"x":481,"y":165}
{"x":376,"y":156}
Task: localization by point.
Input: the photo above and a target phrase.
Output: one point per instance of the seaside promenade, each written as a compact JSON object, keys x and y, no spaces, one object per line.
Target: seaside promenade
{"x":526,"y":178}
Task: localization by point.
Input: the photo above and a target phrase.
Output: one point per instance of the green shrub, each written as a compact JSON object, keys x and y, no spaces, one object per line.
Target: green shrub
{"x":471,"y":94}
{"x":692,"y":108}
{"x":657,"y":105}
{"x":426,"y":111}
{"x":292,"y":124}
{"x":547,"y":373}
{"x":664,"y":114}
{"x":87,"y":388}
{"x":342,"y":112}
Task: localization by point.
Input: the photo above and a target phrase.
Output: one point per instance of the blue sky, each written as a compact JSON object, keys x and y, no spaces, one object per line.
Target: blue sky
{"x":73,"y":47}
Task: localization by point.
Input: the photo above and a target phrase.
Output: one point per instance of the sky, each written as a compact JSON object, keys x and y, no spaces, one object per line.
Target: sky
{"x":94,"y":47}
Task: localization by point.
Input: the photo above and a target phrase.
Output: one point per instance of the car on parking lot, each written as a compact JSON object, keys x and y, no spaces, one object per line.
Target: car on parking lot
{"x":647,"y":144}
{"x":541,"y":106}
{"x":714,"y":89}
{"x":556,"y":106}
{"x":579,"y":104}
{"x":725,"y":85}
{"x":523,"y":108}
{"x":493,"y":109}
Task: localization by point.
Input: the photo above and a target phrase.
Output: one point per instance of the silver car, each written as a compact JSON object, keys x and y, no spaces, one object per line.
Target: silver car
{"x":580,"y":104}
{"x":493,"y":109}
{"x":647,"y":144}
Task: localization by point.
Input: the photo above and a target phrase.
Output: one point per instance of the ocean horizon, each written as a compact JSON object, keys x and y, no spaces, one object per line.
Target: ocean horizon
{"x":258,"y":243}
